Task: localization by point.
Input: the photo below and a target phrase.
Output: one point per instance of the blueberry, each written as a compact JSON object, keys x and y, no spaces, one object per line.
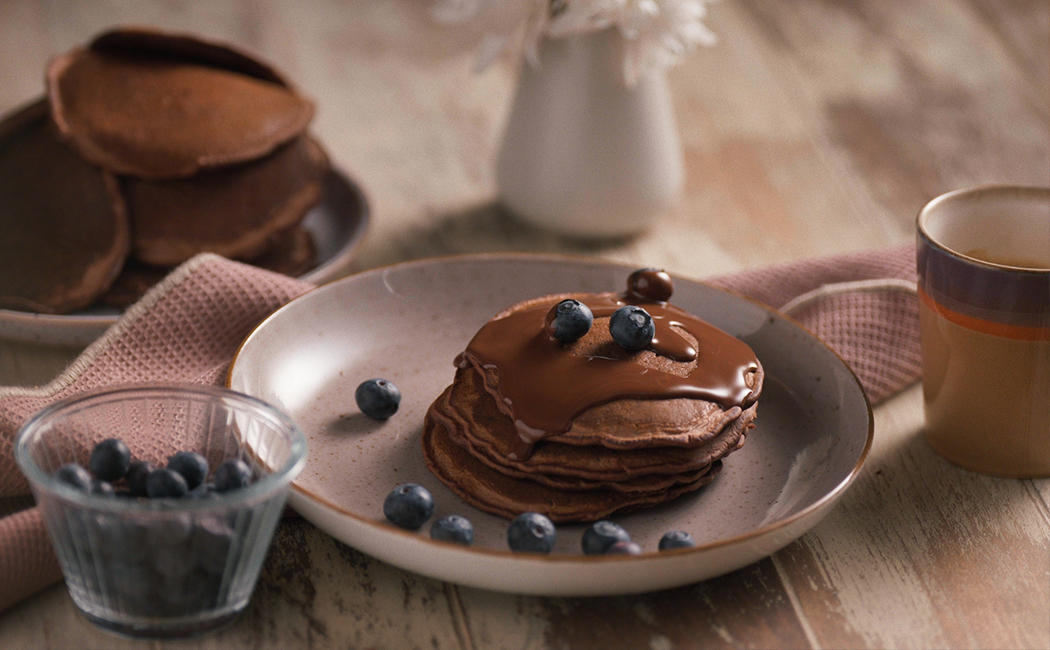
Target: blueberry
{"x":103,"y":488}
{"x":110,"y":459}
{"x":676,"y":539}
{"x":601,"y":535}
{"x":624,"y":547}
{"x":377,"y":398}
{"x":232,"y":474}
{"x":191,"y":465}
{"x":569,"y":320}
{"x":632,"y":327}
{"x":531,"y":532}
{"x":651,"y":284}
{"x":75,"y":475}
{"x":136,"y":477}
{"x":453,"y":528}
{"x":165,"y":483}
{"x":409,"y":506}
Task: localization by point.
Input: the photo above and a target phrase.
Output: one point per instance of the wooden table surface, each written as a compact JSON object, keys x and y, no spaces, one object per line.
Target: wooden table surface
{"x":813,"y":127}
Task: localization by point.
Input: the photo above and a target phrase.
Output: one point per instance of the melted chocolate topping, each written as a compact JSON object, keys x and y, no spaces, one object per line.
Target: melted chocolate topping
{"x":545,"y":386}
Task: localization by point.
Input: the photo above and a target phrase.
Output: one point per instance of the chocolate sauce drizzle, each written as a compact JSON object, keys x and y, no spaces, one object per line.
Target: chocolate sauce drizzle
{"x":545,"y":386}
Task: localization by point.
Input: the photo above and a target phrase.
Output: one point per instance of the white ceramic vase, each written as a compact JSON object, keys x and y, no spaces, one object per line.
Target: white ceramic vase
{"x":584,"y":153}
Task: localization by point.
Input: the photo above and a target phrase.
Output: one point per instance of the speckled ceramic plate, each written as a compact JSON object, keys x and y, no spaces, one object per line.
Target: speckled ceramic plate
{"x":407,"y":323}
{"x":337,"y":225}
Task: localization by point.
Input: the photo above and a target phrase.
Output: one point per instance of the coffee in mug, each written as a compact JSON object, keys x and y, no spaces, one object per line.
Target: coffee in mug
{"x":984,"y":311}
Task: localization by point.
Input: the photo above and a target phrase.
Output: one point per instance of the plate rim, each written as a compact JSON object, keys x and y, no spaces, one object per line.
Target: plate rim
{"x":82,"y":329}
{"x":763,"y":531}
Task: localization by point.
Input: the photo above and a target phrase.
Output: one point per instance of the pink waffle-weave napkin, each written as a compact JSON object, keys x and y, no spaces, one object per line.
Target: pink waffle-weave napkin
{"x":188,"y":327}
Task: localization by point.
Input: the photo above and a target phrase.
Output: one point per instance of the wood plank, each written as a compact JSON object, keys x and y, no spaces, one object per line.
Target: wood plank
{"x":745,"y":609}
{"x":920,"y":99}
{"x":1021,"y":33}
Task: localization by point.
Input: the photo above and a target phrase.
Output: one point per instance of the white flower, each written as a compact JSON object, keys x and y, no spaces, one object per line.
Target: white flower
{"x":658,"y":33}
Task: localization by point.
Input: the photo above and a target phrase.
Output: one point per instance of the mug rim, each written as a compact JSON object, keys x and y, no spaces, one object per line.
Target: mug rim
{"x":966,"y":192}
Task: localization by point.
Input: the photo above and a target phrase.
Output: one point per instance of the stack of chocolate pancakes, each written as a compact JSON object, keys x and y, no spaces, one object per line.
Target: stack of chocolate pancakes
{"x":147,"y":149}
{"x":581,"y":430}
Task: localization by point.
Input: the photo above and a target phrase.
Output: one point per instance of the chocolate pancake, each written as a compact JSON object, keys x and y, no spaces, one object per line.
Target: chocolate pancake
{"x":160,"y":106}
{"x":579,"y":430}
{"x":471,"y":416}
{"x":506,"y":496}
{"x":65,"y":228}
{"x":187,"y":47}
{"x":635,"y":423}
{"x":292,"y":253}
{"x":233,"y":211}
{"x":579,"y":470}
{"x":135,"y":279}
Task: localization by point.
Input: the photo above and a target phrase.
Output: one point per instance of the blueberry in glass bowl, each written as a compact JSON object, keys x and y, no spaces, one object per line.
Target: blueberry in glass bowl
{"x":186,"y":560}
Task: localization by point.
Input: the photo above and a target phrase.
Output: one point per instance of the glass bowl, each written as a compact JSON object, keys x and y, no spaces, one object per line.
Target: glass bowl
{"x":163,"y":567}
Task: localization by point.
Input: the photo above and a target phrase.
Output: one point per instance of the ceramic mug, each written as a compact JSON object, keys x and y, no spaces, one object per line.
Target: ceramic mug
{"x":984,"y":311}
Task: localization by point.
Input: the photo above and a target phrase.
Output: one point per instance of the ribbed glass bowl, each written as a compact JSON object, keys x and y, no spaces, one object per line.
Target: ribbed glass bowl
{"x":162,"y":567}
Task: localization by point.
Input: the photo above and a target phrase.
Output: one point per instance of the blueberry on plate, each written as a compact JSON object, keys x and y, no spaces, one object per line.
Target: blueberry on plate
{"x":676,"y":539}
{"x":232,"y":474}
{"x":75,"y":475}
{"x":632,"y":327}
{"x":377,"y":398}
{"x":569,"y":320}
{"x":453,"y":528}
{"x":165,"y":483}
{"x":600,"y":535}
{"x":136,"y":477}
{"x":624,"y":547}
{"x":531,"y":532}
{"x":409,"y":506}
{"x":110,"y":460}
{"x":191,"y":465}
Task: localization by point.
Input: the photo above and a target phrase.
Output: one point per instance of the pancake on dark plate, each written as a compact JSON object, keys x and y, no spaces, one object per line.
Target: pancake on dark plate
{"x":584,"y":429}
{"x":292,"y":253}
{"x":65,"y":228}
{"x":234,"y":211}
{"x":154,"y":105}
